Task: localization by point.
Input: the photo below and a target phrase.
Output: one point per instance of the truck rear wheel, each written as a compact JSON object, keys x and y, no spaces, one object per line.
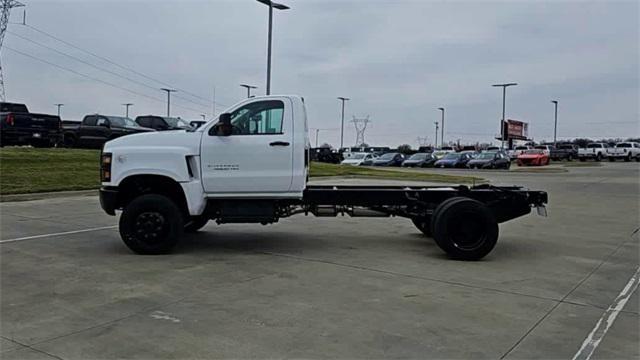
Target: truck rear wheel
{"x":465,"y":229}
{"x":151,"y":224}
{"x":195,"y":223}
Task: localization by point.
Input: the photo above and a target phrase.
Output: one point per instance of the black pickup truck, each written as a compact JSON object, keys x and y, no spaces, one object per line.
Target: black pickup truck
{"x":20,"y":127}
{"x":564,"y":152}
{"x":94,"y":130}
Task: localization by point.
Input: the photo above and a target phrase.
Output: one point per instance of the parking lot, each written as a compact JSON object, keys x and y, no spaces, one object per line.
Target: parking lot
{"x":327,"y":287}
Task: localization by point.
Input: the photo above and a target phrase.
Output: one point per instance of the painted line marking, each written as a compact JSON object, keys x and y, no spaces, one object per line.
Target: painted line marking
{"x":602,"y":326}
{"x":57,"y":234}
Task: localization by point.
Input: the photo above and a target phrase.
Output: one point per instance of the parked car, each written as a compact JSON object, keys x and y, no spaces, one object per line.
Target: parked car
{"x":161,"y":123}
{"x":490,"y":160}
{"x":420,"y":160}
{"x":595,"y":151}
{"x":357,"y":159}
{"x":439,"y":154}
{"x":325,"y":155}
{"x":513,"y":154}
{"x":18,"y":126}
{"x":492,"y":148}
{"x":545,"y":148}
{"x":453,"y":160}
{"x":389,"y":159}
{"x":533,"y":157}
{"x":564,"y":152}
{"x":94,"y":130}
{"x":626,"y":151}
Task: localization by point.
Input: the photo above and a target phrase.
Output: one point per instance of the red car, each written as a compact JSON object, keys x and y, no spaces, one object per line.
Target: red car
{"x":533,"y":157}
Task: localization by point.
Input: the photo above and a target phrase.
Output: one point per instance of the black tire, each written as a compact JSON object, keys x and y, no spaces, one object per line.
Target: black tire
{"x":628,"y":158}
{"x":598,"y":157}
{"x":465,"y":229}
{"x":570,"y":158}
{"x":423,"y":224}
{"x":583,"y":159}
{"x":151,"y":224}
{"x":638,"y":158}
{"x":612,"y":159}
{"x":440,"y":207}
{"x":508,"y":166}
{"x":195,"y":223}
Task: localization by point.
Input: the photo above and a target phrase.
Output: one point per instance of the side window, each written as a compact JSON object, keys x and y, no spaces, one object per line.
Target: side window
{"x":258,"y":118}
{"x":89,"y":120}
{"x":158,"y":123}
{"x":102,"y":122}
{"x":144,"y":122}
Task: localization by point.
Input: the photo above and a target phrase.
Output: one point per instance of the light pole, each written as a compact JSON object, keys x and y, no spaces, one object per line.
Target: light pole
{"x":126,"y":111}
{"x":504,"y":96}
{"x":169,"y":91}
{"x":317,"y":131}
{"x":271,"y":5}
{"x":555,"y":126}
{"x":442,"y":136}
{"x":249,"y":87}
{"x":436,"y":146}
{"x":59,"y":106}
{"x":343,"y":99}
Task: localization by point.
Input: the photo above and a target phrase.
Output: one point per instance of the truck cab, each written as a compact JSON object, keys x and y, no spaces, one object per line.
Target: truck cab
{"x":251,"y":165}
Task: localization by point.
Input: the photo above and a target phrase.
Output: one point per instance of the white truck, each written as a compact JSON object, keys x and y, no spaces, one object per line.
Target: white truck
{"x":594,"y":151}
{"x":626,"y":151}
{"x":252,"y":165}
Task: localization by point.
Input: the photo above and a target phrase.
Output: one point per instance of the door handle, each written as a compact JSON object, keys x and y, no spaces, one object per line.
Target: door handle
{"x":279,"y":143}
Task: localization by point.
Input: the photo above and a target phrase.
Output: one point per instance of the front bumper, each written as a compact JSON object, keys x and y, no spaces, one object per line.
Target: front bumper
{"x":109,"y":199}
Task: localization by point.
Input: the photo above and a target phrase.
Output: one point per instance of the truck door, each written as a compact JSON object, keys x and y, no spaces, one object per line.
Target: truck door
{"x":258,"y":156}
{"x":85,"y":137}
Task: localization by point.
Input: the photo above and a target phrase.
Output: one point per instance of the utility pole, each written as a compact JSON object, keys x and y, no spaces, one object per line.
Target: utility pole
{"x":169,"y":91}
{"x":504,"y":96}
{"x":436,"y":146}
{"x":59,"y":106}
{"x":249,"y":87}
{"x":343,"y":99}
{"x":7,"y":5}
{"x":555,"y":126}
{"x":277,"y":6}
{"x":126,"y":107}
{"x":317,"y":131}
{"x":442,"y":136}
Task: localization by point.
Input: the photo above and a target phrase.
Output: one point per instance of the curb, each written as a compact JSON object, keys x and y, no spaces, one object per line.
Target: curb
{"x":47,"y":195}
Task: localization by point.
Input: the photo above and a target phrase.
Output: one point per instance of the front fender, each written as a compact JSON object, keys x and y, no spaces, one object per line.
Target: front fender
{"x":166,"y":161}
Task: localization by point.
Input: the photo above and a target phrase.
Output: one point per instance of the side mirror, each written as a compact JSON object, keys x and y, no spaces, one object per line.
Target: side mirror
{"x":225,"y":118}
{"x":223,"y":127}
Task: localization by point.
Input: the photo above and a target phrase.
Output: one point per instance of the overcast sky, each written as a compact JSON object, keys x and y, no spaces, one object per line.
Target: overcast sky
{"x":397,"y":60}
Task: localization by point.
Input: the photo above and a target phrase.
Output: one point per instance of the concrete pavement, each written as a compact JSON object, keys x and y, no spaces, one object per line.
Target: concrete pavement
{"x":326,"y":288}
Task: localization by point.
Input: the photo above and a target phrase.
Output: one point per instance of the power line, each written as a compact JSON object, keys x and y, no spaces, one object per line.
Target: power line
{"x":115,"y":63}
{"x":99,"y":68}
{"x":94,"y":79}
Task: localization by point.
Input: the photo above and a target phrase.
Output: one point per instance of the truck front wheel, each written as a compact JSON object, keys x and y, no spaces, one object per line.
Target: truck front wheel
{"x":465,"y":229}
{"x":151,"y":224}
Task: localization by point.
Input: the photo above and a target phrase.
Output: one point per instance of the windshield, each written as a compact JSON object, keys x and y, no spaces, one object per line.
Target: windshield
{"x":387,"y":156}
{"x":452,"y":156}
{"x":521,"y":148}
{"x":122,"y":121}
{"x":357,"y":156}
{"x":541,"y":147}
{"x":624,"y":145}
{"x":418,"y":156}
{"x":487,"y":155}
{"x":594,"y":146}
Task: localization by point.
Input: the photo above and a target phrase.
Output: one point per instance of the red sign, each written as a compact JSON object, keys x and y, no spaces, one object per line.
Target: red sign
{"x":517,"y":129}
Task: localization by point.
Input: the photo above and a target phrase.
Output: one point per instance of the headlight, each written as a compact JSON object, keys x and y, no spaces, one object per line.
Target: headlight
{"x":105,"y":167}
